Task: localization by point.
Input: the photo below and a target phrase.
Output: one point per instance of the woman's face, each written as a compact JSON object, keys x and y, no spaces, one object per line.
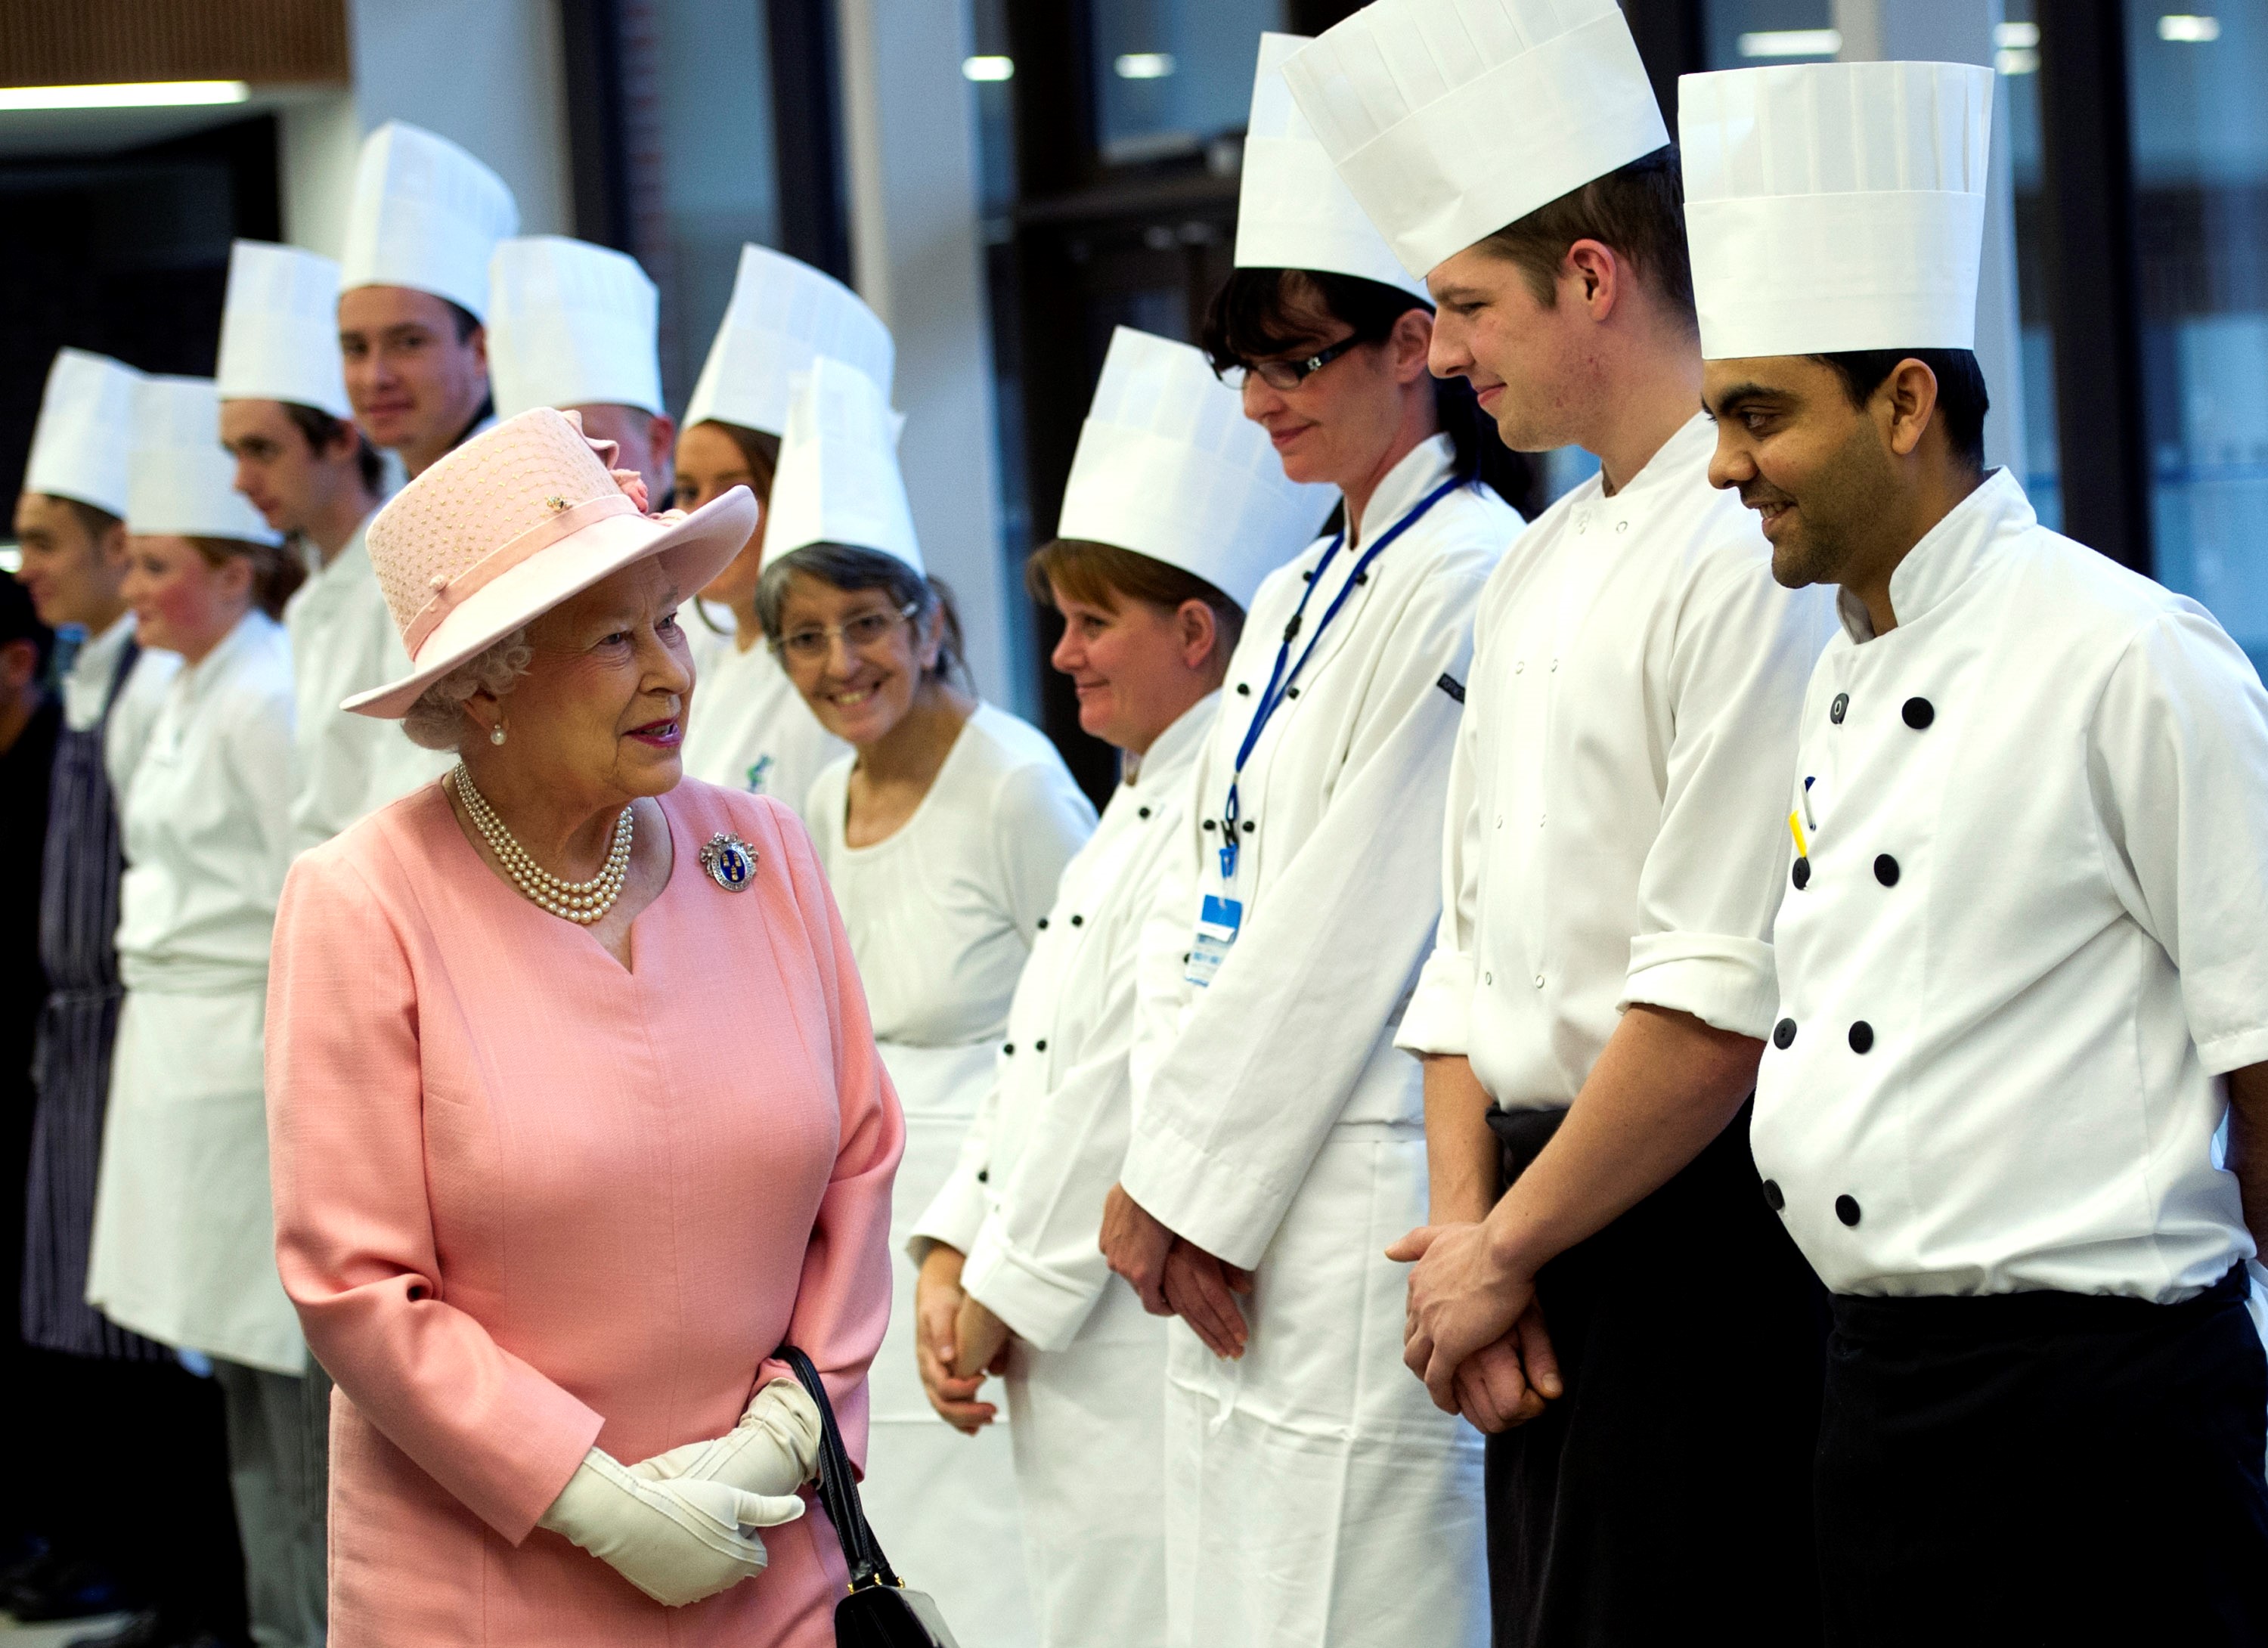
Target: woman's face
{"x":182,"y":602}
{"x":710,"y":464}
{"x":600,"y":714}
{"x":860,"y":691}
{"x":1333,"y":425}
{"x":1137,"y":669}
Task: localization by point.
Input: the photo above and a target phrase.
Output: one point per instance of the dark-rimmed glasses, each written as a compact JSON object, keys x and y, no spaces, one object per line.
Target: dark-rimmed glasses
{"x":1288,"y":374}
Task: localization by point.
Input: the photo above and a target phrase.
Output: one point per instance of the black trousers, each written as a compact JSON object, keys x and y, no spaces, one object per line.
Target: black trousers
{"x":1666,"y":1497}
{"x":2045,"y":1467}
{"x":129,"y":1463}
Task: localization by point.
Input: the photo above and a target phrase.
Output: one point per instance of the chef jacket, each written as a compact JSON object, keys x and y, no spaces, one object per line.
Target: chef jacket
{"x":1025,"y":1202}
{"x":86,"y":689}
{"x":2030,"y":933}
{"x":747,"y":727}
{"x":1338,"y":873}
{"x":1612,"y":833}
{"x":343,"y":642}
{"x":203,"y":819}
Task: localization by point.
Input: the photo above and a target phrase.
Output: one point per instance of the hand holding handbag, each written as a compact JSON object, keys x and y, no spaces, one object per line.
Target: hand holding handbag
{"x":878,"y":1612}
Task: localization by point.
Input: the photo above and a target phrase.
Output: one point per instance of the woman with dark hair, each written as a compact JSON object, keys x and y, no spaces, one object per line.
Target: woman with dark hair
{"x":183,"y":1250}
{"x":1316,"y":1496}
{"x":943,"y":834}
{"x":754,"y":732}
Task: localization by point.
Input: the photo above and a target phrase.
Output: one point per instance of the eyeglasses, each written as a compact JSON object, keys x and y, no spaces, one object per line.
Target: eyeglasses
{"x":1288,"y":374}
{"x":812,"y":645}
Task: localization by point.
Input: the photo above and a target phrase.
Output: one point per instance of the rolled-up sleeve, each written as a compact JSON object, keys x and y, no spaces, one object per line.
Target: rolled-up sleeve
{"x":1712,"y":883}
{"x":353,"y":1229}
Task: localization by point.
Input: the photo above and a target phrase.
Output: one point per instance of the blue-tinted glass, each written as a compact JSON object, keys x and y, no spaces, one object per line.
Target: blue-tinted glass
{"x":1172,"y":75}
{"x":1744,"y":32}
{"x":2200,"y":149}
{"x":2019,"y":60}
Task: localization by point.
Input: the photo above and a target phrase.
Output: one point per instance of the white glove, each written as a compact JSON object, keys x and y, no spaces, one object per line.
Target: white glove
{"x":677,"y":1542}
{"x":773,"y":1450}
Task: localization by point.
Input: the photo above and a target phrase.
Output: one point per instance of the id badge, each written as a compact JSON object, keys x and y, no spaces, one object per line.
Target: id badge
{"x":1217,"y":923}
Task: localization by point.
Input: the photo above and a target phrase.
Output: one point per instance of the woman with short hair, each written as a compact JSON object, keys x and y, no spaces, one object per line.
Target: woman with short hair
{"x":182,"y":1246}
{"x":1175,"y":511}
{"x":943,"y":833}
{"x":576,"y":1116}
{"x":754,"y":733}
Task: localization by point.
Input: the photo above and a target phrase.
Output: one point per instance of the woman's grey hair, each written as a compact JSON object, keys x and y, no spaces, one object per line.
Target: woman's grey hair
{"x":848,"y":568}
{"x":436,"y":720}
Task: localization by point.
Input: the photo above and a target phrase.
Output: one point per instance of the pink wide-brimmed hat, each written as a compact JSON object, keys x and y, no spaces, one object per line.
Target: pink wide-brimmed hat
{"x":509,"y":525}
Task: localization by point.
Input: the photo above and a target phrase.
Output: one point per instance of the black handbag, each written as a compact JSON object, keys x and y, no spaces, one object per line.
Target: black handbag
{"x":880,"y":1611}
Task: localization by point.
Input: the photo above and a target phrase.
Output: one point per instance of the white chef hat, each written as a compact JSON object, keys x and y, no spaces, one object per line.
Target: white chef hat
{"x":425,"y":215}
{"x":784,"y":314}
{"x":1835,"y":206}
{"x":183,"y":480}
{"x":838,"y":479}
{"x":279,"y":328}
{"x":1169,"y":467}
{"x":1449,"y":118}
{"x":571,"y":324}
{"x":1291,"y":211}
{"x":86,"y":429}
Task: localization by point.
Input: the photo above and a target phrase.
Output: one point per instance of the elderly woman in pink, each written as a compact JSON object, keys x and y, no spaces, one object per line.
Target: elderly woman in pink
{"x":575,"y":1111}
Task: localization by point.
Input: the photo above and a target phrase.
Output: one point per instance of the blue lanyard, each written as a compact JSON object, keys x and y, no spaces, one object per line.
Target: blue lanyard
{"x":1280,"y":681}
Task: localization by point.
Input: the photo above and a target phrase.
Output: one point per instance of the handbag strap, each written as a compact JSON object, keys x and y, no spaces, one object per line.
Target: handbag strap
{"x":838,"y":1484}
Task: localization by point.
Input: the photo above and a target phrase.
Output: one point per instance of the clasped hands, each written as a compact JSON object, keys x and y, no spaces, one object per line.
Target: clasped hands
{"x":681,"y":1526}
{"x":1175,"y":1276}
{"x":1473,"y":1331}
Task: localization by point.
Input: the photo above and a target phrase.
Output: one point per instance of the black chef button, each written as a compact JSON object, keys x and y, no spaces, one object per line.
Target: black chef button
{"x":1044,"y":924}
{"x":1784,"y":1033}
{"x":1862,"y":1037}
{"x":1290,"y":691}
{"x":1244,"y":690}
{"x":1919,"y":713}
{"x":1846,"y":1209}
{"x":1039,"y":1046}
{"x":1208,"y":823}
{"x":1009,"y":1047}
{"x":1144,"y":813}
{"x":1886,"y":870}
{"x":1079,"y":921}
{"x":1802,"y":874}
{"x":1773,"y":1199}
{"x":983,"y":1175}
{"x":1834,"y":711}
{"x":1251,"y":825}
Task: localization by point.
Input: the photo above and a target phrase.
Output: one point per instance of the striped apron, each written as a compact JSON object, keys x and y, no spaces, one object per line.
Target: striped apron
{"x":70,"y":1057}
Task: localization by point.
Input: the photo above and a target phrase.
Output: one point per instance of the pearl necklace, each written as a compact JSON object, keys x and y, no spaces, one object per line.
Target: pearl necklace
{"x":580,"y":902}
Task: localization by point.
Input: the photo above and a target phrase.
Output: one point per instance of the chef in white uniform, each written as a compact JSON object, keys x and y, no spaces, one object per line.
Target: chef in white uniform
{"x":1314,"y":1496}
{"x":312,"y":476}
{"x":577,"y":327}
{"x":2023,"y":957}
{"x":184,"y":1241}
{"x":1177,"y":493}
{"x":1604,"y":958}
{"x":423,"y":221}
{"x":942,"y":886}
{"x":754,"y":730}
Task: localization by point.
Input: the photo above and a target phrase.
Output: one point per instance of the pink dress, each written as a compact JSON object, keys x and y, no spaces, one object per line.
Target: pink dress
{"x":527,"y":1200}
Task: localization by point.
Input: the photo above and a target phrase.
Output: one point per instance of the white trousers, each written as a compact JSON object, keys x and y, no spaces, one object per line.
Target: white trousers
{"x":943,"y":1504}
{"x":1089,"y":1429}
{"x":1315,"y":1496}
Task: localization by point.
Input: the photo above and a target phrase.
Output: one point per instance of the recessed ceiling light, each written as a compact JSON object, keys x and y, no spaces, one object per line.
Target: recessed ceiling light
{"x":2188,"y":30}
{"x":126,"y":94}
{"x":1791,"y":43}
{"x":1144,"y":65}
{"x":987,"y":67}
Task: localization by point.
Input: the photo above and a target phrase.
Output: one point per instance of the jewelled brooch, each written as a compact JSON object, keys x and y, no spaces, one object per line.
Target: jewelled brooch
{"x":730,"y":861}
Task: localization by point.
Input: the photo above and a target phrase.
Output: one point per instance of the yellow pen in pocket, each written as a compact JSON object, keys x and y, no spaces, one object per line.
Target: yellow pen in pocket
{"x":1796,"y":828}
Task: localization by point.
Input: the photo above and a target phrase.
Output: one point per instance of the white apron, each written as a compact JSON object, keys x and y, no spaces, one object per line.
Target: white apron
{"x":942,"y":1504}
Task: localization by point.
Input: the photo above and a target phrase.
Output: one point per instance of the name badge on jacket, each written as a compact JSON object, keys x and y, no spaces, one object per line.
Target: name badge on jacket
{"x":1217,"y":923}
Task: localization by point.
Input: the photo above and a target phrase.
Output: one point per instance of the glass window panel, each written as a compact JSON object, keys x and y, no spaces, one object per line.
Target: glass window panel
{"x":2018,"y":57}
{"x":2201,"y":154}
{"x":1172,"y":75}
{"x":1743,"y":34}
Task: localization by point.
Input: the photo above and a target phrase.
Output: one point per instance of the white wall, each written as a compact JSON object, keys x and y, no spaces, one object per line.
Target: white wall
{"x":486,"y":74}
{"x":1961,"y":31}
{"x":910,"y":123}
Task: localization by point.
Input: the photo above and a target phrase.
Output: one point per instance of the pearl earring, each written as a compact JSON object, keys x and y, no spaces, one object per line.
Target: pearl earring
{"x":495,"y":735}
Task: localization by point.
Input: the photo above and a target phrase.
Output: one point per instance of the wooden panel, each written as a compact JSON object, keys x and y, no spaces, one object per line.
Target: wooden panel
{"x":80,"y":42}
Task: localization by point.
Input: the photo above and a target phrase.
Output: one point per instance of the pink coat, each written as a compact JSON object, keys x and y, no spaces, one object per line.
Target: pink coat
{"x":526,"y":1202}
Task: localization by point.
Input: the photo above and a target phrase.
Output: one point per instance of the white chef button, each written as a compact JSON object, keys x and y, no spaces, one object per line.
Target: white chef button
{"x":1539,"y":981}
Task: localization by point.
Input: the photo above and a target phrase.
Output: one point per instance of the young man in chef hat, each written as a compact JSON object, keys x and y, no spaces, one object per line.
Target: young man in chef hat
{"x":1600,"y":1286}
{"x":2024,"y":952}
{"x":1314,"y":1497}
{"x":311,"y":473}
{"x":575,"y":325}
{"x":414,"y":291}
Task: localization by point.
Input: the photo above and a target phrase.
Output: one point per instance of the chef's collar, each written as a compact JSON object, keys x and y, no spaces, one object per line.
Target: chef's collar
{"x":1171,"y":750}
{"x":196,"y":678}
{"x":1423,"y":467}
{"x":1947,"y":552}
